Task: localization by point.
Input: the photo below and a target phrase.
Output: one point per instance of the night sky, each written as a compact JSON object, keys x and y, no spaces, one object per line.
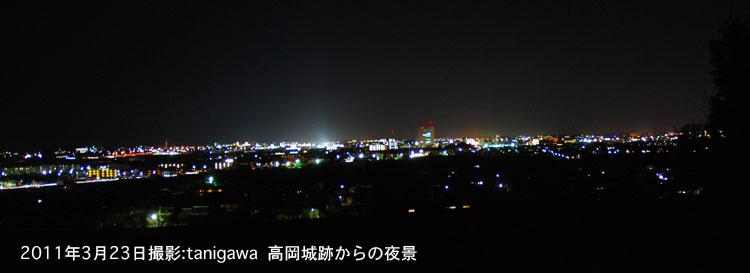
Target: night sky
{"x":196,"y":73}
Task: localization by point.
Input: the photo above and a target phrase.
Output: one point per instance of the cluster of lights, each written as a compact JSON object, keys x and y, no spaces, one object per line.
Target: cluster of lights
{"x":661,"y":176}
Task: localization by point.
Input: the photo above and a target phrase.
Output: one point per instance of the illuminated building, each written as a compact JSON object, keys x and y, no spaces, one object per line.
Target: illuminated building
{"x":392,"y":144}
{"x":427,"y":134}
{"x":103,"y":173}
{"x":378,"y":147}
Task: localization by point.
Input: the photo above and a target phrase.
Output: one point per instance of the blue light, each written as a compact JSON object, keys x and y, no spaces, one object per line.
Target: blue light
{"x":480,"y":183}
{"x":446,"y":187}
{"x":501,"y":185}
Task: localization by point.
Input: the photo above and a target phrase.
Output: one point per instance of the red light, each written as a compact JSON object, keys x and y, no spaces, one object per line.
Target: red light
{"x":422,"y":127}
{"x":430,"y":122}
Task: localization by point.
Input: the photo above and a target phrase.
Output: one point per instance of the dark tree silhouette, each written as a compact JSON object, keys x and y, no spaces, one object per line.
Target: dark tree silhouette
{"x":728,"y":109}
{"x":730,"y":60}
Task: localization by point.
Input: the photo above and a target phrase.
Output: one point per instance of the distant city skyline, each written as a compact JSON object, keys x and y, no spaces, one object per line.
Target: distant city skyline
{"x":414,"y":137}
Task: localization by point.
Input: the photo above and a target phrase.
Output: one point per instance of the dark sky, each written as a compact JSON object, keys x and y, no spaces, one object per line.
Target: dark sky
{"x":124,"y":73}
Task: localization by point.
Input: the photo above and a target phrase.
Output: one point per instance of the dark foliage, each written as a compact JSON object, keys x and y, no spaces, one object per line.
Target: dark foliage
{"x":730,"y":59}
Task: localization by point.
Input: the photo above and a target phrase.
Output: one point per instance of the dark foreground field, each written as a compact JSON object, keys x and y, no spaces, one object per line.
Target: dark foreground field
{"x":555,"y":218}
{"x":519,"y":237}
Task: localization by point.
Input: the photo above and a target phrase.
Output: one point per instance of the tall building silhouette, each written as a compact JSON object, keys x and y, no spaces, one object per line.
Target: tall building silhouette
{"x":427,"y":134}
